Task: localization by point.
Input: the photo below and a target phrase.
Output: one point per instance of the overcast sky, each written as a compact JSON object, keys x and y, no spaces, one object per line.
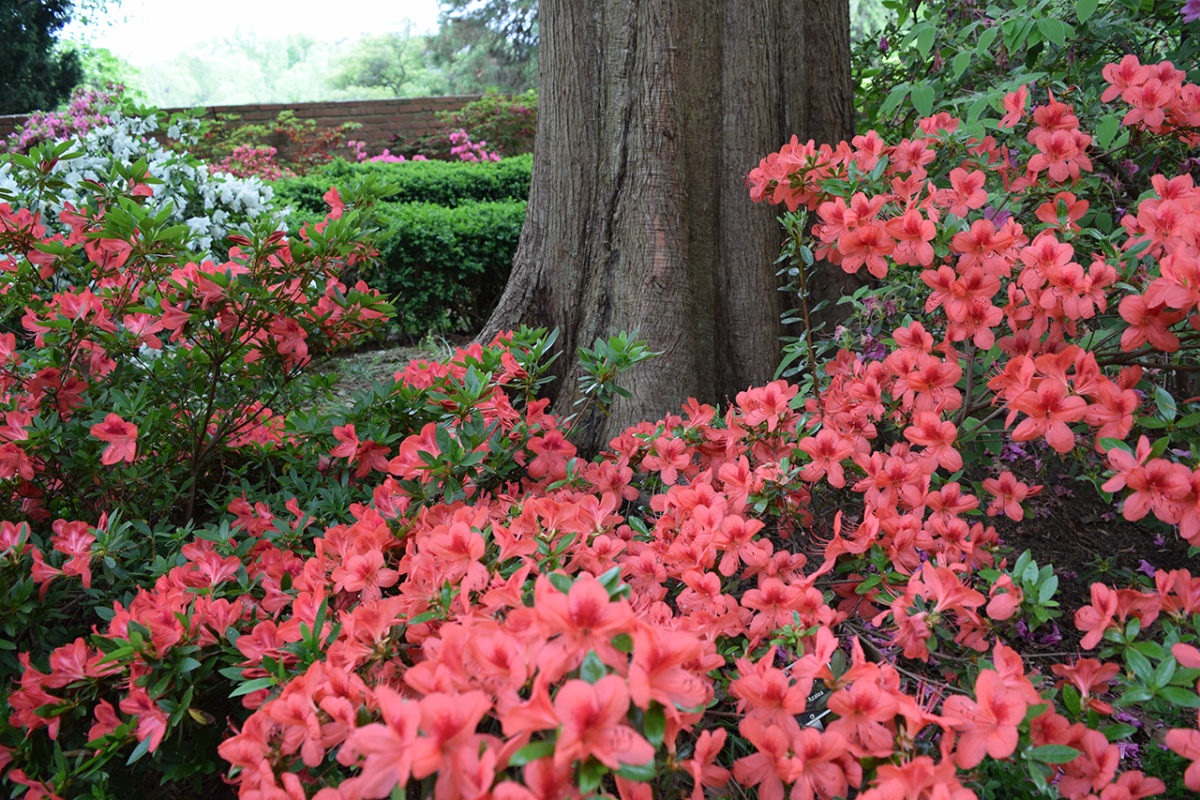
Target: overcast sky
{"x":145,"y":31}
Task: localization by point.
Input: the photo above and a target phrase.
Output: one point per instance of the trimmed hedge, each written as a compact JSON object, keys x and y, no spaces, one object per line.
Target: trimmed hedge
{"x":443,"y":267}
{"x":447,"y":232}
{"x":444,"y":183}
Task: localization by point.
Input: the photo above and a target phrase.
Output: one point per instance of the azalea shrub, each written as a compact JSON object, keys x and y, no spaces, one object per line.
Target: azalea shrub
{"x":248,"y":161}
{"x":113,"y":157}
{"x":299,"y":145}
{"x":801,"y":594}
{"x":87,"y":108}
{"x":962,"y":57}
{"x":984,"y":241}
{"x":508,"y":122}
{"x":141,"y":383}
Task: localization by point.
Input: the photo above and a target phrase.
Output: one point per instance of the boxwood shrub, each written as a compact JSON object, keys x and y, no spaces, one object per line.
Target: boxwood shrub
{"x":444,"y":183}
{"x":447,"y":232}
{"x":443,"y":267}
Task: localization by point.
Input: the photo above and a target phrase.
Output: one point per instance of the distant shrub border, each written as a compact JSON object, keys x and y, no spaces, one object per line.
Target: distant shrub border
{"x":444,"y":183}
{"x":444,"y":266}
{"x":447,"y":232}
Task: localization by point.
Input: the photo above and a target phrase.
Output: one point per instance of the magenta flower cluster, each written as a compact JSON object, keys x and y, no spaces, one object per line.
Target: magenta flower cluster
{"x":85,"y":110}
{"x":249,"y":161}
{"x":466,"y":150}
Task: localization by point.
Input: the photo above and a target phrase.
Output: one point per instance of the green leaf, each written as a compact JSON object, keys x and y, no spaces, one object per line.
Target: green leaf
{"x":654,"y":725}
{"x":1119,"y":731}
{"x":642,"y":773}
{"x":139,"y":751}
{"x":1189,"y":421}
{"x":252,"y":686}
{"x":1166,"y":403}
{"x":1047,"y":590}
{"x":1140,"y":694}
{"x":1072,"y":700}
{"x":1084,"y":9}
{"x":611,"y":581}
{"x":590,"y":775}
{"x":922,"y":99}
{"x":1054,"y":30}
{"x":1178,"y":696}
{"x":890,"y":103}
{"x":1157,"y":449}
{"x":976,"y":109}
{"x":985,"y":40}
{"x":1106,"y":129}
{"x":592,"y":669}
{"x":960,"y":63}
{"x":1164,"y":672}
{"x":1054,"y":754}
{"x":925,"y":36}
{"x":532,"y":752}
{"x":867,"y":584}
{"x":1140,"y":665}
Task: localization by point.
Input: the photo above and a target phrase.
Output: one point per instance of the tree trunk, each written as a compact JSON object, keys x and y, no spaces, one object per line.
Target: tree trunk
{"x":651,"y":114}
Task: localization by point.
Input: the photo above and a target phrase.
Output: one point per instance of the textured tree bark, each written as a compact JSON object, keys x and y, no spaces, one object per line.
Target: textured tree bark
{"x":651,"y":113}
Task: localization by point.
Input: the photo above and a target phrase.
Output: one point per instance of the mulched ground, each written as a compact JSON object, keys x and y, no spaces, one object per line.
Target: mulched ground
{"x":1072,"y":527}
{"x":1086,"y":542}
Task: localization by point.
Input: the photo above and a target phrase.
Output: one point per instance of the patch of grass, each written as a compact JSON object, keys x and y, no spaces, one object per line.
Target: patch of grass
{"x":358,"y":371}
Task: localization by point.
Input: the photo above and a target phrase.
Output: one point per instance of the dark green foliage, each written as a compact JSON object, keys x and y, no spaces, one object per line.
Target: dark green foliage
{"x":34,"y":76}
{"x":443,"y":266}
{"x":486,"y":46}
{"x":964,"y":56}
{"x":447,"y":232}
{"x":513,"y":24}
{"x":507,"y":124}
{"x":443,"y":183}
{"x":447,"y":266}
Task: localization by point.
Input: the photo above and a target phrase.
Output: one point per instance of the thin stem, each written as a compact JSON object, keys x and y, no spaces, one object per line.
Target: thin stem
{"x":982,"y":422}
{"x":962,"y":414}
{"x":808,"y":343}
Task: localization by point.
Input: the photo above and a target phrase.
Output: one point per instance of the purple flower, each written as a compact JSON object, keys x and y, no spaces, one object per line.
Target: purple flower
{"x":1053,"y":637}
{"x":1126,"y":717}
{"x":1159,"y":541}
{"x":1146,"y":568}
{"x":1190,"y":11}
{"x":996,"y":216}
{"x":1012,"y":451}
{"x":1129,"y":750}
{"x":873,"y":350}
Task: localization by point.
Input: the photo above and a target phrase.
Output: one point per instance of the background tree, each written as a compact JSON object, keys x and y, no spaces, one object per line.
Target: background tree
{"x":638,"y":214}
{"x":394,"y":61}
{"x":512,"y":24}
{"x":486,"y":45}
{"x":100,"y":66}
{"x":35,"y":75}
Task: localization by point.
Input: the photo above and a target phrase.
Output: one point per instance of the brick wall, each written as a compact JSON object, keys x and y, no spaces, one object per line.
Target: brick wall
{"x":380,"y":119}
